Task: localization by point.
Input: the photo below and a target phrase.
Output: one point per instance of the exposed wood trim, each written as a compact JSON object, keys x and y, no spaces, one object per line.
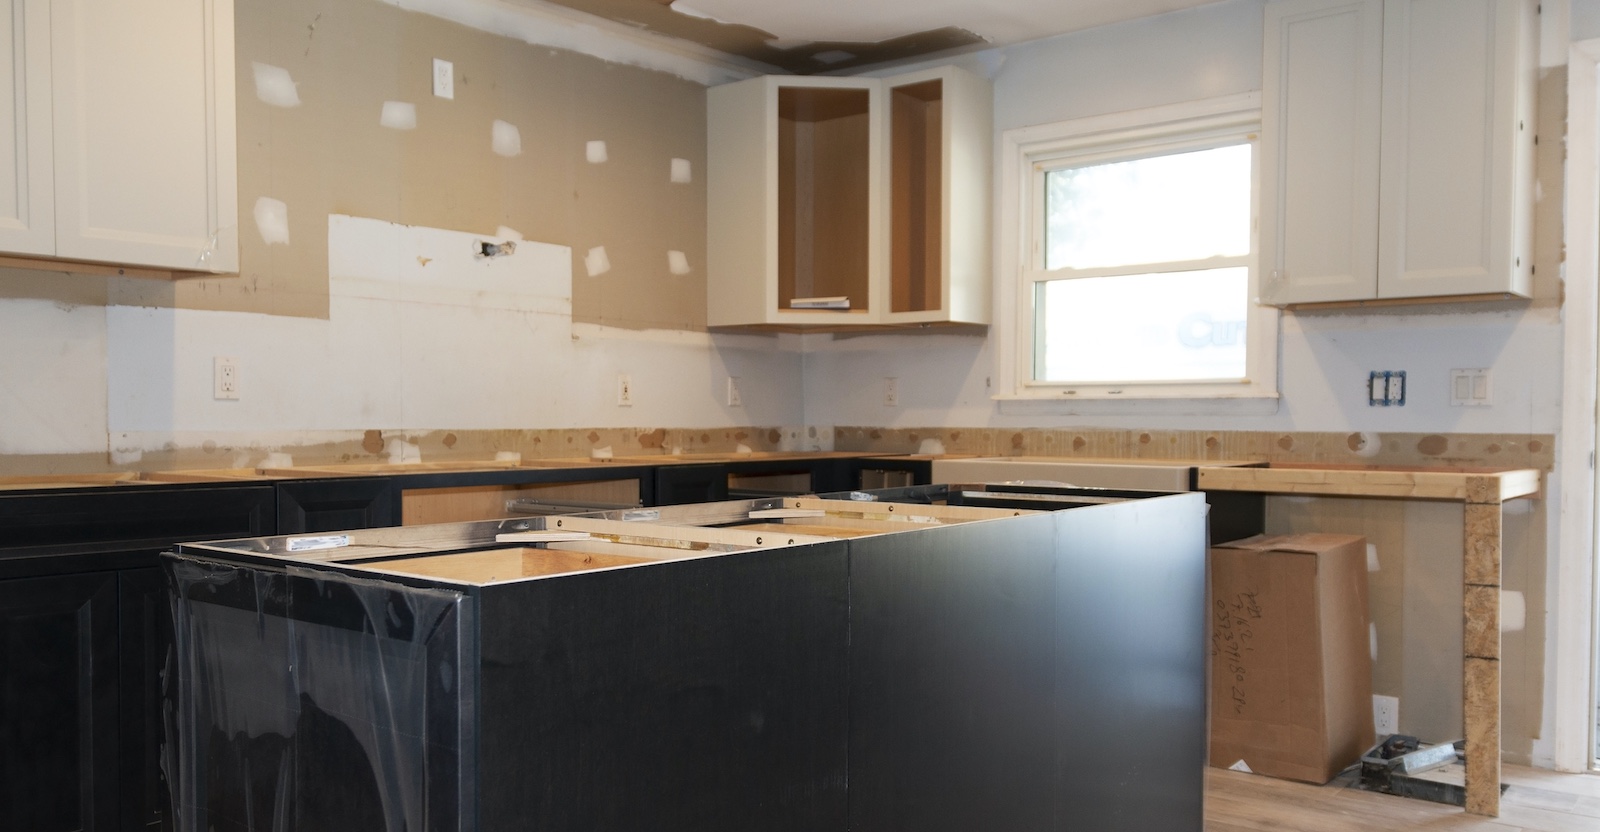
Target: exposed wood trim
{"x":1373,"y":303}
{"x":98,"y":269}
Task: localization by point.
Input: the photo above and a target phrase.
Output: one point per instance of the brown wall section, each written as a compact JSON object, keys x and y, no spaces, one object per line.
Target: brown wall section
{"x":330,"y":155}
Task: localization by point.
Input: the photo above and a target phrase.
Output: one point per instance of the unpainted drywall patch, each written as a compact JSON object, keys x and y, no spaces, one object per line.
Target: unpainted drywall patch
{"x":681,"y":173}
{"x":506,"y":139}
{"x":595,"y":152}
{"x":275,"y":86}
{"x":677,"y":262}
{"x":399,"y":115}
{"x":272,"y":220}
{"x":508,"y":233}
{"x":595,"y":262}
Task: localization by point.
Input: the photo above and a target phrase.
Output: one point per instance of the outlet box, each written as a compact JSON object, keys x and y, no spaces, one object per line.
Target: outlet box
{"x":444,"y":78}
{"x":624,"y":391}
{"x":1386,"y":388}
{"x":735,"y":399}
{"x":891,"y":391}
{"x":1385,"y":715}
{"x":224,"y":377}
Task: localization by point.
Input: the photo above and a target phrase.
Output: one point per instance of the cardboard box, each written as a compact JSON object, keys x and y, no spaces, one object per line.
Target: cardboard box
{"x":1291,"y":666}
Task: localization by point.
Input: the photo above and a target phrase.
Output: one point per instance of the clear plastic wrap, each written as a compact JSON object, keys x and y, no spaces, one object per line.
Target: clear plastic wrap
{"x":310,"y":700}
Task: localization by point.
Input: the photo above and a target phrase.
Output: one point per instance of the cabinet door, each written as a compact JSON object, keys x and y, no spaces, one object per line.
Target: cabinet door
{"x":27,"y":225}
{"x":58,"y":703}
{"x":1321,"y":95}
{"x":144,"y":669}
{"x":1456,"y":149}
{"x":337,"y":505}
{"x":144,"y":133}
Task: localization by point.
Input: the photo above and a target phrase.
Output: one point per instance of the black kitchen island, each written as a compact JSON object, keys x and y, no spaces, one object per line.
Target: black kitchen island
{"x":768,"y":664}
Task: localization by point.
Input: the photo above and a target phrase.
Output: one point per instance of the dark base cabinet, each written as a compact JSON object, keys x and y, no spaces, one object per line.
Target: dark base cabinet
{"x":85,"y":643}
{"x":58,"y":703}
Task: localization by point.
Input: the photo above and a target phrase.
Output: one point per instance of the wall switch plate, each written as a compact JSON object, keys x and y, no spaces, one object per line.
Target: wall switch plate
{"x":224,"y":377}
{"x":891,"y":391}
{"x":1470,"y":388}
{"x":1385,"y":715}
{"x":444,"y":78}
{"x":624,"y":391}
{"x":734,"y":397}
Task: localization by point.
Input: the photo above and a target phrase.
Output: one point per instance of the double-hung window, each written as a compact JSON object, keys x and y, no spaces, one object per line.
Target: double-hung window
{"x":1128,"y":263}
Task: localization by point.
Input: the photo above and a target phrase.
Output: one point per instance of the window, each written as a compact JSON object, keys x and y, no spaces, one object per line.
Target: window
{"x":1128,"y":264}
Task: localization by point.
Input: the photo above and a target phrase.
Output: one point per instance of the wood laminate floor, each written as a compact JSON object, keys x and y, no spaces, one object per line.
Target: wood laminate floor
{"x":1538,"y":801}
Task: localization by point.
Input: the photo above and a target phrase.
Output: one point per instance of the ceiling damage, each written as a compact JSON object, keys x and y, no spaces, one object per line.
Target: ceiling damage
{"x":817,"y":36}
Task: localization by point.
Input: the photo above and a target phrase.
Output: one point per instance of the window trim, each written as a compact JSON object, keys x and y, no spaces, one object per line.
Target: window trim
{"x":1022,"y":151}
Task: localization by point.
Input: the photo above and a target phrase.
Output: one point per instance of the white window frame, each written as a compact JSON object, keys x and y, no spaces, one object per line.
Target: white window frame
{"x":1022,"y":151}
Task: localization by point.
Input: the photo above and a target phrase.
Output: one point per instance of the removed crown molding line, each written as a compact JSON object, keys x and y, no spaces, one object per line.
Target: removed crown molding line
{"x":548,"y":24}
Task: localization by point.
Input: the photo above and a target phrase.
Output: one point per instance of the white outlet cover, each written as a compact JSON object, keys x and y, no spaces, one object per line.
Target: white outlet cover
{"x":444,"y":78}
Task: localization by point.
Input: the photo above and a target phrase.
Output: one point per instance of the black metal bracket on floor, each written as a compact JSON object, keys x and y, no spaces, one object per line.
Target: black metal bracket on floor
{"x":1400,"y":765}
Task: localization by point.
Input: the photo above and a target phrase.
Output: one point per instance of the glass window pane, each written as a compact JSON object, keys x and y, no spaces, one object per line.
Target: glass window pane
{"x":1173,"y":326}
{"x":1183,"y":206}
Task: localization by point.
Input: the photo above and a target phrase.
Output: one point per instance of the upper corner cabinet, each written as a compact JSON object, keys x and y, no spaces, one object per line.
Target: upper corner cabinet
{"x":119,"y":119}
{"x":842,"y":202}
{"x":1397,"y":150}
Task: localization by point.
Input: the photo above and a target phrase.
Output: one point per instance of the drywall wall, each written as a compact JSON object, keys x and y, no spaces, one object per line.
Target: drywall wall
{"x":336,"y":115}
{"x":944,"y":381}
{"x":597,"y":163}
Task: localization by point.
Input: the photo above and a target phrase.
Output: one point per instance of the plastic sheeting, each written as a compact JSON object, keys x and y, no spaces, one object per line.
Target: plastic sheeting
{"x":370,"y":728}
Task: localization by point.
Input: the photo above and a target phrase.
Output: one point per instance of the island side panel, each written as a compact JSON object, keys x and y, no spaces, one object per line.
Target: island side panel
{"x":704,"y":695}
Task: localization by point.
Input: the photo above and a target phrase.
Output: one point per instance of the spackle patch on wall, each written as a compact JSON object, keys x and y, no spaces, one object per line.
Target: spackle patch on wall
{"x":677,"y":262}
{"x":506,"y":139}
{"x":595,"y":152}
{"x":399,"y":115}
{"x":682,"y":173}
{"x":596,"y":262}
{"x":274,"y":86}
{"x":272,"y":220}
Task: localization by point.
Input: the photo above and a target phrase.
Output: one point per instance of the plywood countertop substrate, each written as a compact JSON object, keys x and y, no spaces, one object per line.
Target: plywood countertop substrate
{"x":1474,"y":484}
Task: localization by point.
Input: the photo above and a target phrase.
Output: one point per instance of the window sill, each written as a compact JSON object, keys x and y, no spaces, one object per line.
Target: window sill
{"x":1251,"y":404}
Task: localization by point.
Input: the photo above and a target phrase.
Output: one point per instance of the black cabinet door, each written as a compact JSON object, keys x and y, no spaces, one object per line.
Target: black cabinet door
{"x":681,"y":484}
{"x":58,"y":703}
{"x":144,"y":668}
{"x":336,"y":505}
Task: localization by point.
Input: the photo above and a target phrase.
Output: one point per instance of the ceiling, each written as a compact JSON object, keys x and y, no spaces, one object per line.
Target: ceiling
{"x":809,"y":36}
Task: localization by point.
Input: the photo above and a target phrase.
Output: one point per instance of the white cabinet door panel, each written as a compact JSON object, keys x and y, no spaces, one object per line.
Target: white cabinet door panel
{"x":27,"y":225}
{"x":1320,"y":150}
{"x":1449,"y":168}
{"x":144,"y":137}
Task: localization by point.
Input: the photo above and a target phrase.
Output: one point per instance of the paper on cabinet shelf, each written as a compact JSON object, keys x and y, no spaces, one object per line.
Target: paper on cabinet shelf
{"x":840,"y":302}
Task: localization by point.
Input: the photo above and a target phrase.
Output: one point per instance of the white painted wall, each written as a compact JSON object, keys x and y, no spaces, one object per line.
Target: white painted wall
{"x":455,"y":342}
{"x":1201,"y":53}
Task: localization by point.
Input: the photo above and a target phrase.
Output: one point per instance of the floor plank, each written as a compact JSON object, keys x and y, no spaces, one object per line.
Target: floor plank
{"x":1537,"y":801}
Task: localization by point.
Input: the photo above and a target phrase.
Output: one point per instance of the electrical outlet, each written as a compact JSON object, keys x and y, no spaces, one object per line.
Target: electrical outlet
{"x":224,"y":377}
{"x":1385,"y":715}
{"x":624,"y":391}
{"x":891,"y":391}
{"x":734,"y":398}
{"x":444,"y":78}
{"x":1386,"y":388}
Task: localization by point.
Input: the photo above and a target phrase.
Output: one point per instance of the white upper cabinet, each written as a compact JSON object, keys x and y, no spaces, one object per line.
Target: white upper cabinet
{"x":1397,"y":149}
{"x":130,"y":133}
{"x":26,"y":218}
{"x":840,"y":202}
